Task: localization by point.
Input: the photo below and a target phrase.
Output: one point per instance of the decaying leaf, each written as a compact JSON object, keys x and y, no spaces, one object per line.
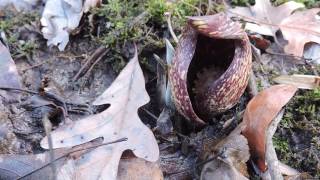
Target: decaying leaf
{"x":37,"y":166}
{"x":19,"y":5}
{"x":299,"y":80}
{"x":15,"y":166}
{"x":264,"y":12}
{"x":312,"y":52}
{"x":138,"y":169}
{"x":260,"y":111}
{"x":125,"y":95}
{"x":60,"y":17}
{"x":232,"y":154}
{"x":300,"y":28}
{"x":9,"y":76}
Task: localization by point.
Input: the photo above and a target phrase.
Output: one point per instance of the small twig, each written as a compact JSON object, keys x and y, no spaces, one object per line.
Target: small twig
{"x":209,"y":7}
{"x":168,"y":17}
{"x":150,"y":114}
{"x":101,"y":51}
{"x":47,"y":127}
{"x":287,"y":55}
{"x":18,"y":89}
{"x":72,"y":151}
{"x":57,"y":101}
{"x":34,"y":66}
{"x":196,"y":166}
{"x":92,"y":66}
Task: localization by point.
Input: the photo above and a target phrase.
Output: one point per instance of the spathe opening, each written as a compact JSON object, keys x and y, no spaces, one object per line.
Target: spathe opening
{"x":211,"y":59}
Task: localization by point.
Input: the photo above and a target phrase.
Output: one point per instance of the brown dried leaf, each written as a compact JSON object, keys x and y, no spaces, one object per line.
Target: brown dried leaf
{"x":263,"y":11}
{"x":300,"y":28}
{"x":299,"y":80}
{"x":9,"y":76}
{"x":125,"y":95}
{"x":260,"y":111}
{"x":233,"y":153}
{"x":36,"y":166}
{"x":139,"y":169}
{"x":13,"y":166}
{"x":91,"y":4}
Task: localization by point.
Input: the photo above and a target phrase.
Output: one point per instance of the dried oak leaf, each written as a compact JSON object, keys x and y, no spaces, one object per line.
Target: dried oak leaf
{"x":300,"y":28}
{"x":260,"y":111}
{"x":232,"y":154}
{"x":37,"y":166}
{"x":125,"y":95}
{"x":9,"y":76}
{"x":264,"y":12}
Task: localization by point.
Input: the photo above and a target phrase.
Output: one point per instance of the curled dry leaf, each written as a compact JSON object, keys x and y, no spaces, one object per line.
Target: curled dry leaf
{"x":300,"y":28}
{"x":60,"y":17}
{"x":260,"y":111}
{"x":125,"y":95}
{"x":232,"y":154}
{"x":299,"y":80}
{"x":264,"y":12}
{"x":9,"y":76}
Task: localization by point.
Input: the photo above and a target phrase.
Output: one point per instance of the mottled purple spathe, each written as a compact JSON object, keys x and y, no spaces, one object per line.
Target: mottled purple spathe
{"x":225,"y":91}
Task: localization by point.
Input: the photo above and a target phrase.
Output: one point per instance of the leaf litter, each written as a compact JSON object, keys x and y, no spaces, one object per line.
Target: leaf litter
{"x":177,"y":151}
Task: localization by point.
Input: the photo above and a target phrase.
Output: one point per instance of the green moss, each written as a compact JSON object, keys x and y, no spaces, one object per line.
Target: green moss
{"x":242,"y":2}
{"x":10,"y":24}
{"x":127,"y":20}
{"x":308,"y":104}
{"x":143,"y":21}
{"x":282,"y":148}
{"x":301,"y":119}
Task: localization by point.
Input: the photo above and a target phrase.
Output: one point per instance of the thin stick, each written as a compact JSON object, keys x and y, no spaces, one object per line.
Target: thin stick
{"x":97,"y":53}
{"x":34,"y":66}
{"x":150,"y":114}
{"x":72,"y":151}
{"x":47,"y":127}
{"x":197,"y":165}
{"x":168,"y":17}
{"x":287,"y":55}
{"x":18,"y":89}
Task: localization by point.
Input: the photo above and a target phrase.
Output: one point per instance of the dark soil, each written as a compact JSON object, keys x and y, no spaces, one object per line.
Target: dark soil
{"x":21,"y":127}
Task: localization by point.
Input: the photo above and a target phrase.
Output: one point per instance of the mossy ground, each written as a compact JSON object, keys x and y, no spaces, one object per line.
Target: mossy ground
{"x":297,"y":140}
{"x":122,"y":22}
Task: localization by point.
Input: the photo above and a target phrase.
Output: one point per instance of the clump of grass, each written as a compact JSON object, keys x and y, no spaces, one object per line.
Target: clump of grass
{"x":10,"y":24}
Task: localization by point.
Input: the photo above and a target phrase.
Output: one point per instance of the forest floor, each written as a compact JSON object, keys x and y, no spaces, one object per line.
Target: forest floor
{"x":297,"y":139}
